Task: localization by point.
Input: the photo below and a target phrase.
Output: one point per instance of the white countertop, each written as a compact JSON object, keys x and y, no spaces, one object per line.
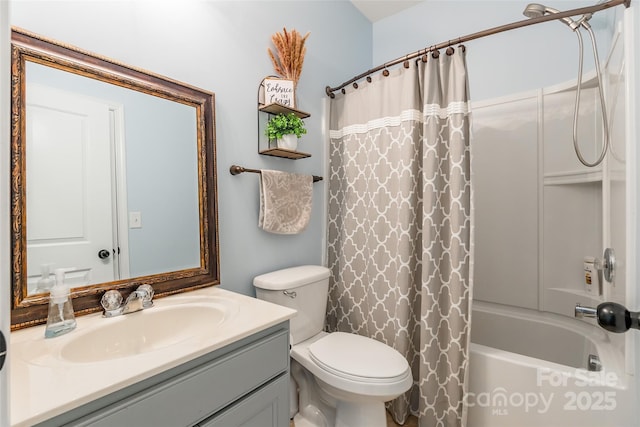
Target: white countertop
{"x":43,"y":384}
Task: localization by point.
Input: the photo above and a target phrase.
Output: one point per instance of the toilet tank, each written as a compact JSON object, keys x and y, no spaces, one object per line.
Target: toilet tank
{"x":304,"y":289}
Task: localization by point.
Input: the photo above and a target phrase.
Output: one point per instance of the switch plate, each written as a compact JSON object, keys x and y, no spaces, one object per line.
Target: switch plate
{"x":135,"y":220}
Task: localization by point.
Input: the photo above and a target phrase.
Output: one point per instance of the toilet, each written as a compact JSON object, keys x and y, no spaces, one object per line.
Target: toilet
{"x":342,"y":379}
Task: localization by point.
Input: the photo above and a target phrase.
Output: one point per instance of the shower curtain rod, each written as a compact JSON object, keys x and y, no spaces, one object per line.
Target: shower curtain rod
{"x":495,"y":30}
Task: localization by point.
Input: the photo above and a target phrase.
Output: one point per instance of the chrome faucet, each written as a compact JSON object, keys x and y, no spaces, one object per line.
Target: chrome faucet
{"x":133,"y":302}
{"x":137,"y":300}
{"x":582,"y":311}
{"x":611,"y":316}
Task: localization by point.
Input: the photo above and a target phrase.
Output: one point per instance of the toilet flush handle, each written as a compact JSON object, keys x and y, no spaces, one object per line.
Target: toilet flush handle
{"x":290,"y":294}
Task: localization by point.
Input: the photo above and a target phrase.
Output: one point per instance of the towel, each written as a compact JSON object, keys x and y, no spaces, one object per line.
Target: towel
{"x":285,"y":201}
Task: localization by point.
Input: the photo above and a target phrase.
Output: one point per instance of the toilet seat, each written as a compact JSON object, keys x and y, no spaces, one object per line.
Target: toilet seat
{"x":358,"y":358}
{"x":353,"y":384}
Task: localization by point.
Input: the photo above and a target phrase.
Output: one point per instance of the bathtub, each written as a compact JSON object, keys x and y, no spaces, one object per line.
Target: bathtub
{"x":530,"y":369}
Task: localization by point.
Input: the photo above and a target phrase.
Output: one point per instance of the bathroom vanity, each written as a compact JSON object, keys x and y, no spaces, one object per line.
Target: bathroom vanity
{"x":231,"y":371}
{"x":206,"y":357}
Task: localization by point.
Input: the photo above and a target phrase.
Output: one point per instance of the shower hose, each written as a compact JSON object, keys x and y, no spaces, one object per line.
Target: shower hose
{"x":603,"y":108}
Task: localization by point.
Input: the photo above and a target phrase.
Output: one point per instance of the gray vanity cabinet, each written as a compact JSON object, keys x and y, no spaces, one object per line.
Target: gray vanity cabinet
{"x":243,"y":384}
{"x":259,"y":409}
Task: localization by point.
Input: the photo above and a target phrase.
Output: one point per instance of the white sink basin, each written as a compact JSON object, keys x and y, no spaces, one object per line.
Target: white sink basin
{"x":148,"y":330}
{"x":206,"y":320}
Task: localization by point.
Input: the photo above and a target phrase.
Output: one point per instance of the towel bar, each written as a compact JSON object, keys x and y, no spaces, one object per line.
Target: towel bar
{"x":236,"y":170}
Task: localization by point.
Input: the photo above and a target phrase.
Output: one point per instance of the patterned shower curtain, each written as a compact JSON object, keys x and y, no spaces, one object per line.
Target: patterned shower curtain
{"x":400,"y":227}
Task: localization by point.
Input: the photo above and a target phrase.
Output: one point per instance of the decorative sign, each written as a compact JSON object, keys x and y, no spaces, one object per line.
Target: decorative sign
{"x":279,"y":91}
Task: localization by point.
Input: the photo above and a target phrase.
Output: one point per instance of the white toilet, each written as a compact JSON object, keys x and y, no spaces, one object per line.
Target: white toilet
{"x":343,"y":379}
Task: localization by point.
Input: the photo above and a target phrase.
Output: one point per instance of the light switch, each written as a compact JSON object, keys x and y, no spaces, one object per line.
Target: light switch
{"x":135,"y":220}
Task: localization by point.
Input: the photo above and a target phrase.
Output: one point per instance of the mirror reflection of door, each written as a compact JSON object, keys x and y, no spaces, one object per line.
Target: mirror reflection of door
{"x":155,"y":180}
{"x":71,"y":182}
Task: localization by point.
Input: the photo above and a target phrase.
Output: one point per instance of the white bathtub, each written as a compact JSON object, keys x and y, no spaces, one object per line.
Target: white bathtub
{"x":529,"y":369}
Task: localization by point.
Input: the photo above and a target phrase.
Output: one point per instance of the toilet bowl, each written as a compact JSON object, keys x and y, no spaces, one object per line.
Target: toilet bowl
{"x":358,"y":373}
{"x":342,"y":379}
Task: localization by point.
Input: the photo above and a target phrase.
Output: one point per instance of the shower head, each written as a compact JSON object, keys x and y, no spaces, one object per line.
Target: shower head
{"x":536,"y":10}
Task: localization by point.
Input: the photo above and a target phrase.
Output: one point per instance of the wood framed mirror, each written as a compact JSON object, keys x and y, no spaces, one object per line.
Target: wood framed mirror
{"x":113,"y":178}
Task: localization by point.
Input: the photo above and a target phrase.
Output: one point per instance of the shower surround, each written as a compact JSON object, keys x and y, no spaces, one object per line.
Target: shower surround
{"x":539,"y":213}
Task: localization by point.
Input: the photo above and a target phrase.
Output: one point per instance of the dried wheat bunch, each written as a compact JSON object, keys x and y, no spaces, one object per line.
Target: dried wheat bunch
{"x":290,"y":50}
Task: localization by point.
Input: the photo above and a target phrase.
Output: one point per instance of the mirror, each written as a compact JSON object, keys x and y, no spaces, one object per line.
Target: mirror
{"x":113,"y":179}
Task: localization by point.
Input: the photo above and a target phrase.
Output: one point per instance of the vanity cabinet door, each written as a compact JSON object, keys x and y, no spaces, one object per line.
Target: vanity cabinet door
{"x":258,"y":368}
{"x":266,"y":407}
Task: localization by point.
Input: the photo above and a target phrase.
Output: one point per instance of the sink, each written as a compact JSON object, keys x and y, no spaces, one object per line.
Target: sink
{"x":145,"y":331}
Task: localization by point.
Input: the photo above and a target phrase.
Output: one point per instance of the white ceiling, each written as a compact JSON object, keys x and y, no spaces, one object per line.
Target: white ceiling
{"x":375,"y":10}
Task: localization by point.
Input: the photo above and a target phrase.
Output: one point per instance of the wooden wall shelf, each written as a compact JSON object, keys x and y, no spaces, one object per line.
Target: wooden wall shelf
{"x":274,"y":108}
{"x":287,"y":154}
{"x":282,"y":109}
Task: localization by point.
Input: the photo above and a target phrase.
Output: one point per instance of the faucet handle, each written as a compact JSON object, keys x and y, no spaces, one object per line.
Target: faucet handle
{"x":611,"y":316}
{"x":111,"y":301}
{"x":148,"y":292}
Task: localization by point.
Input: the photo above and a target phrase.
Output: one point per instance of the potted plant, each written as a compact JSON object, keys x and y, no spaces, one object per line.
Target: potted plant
{"x":285,"y":129}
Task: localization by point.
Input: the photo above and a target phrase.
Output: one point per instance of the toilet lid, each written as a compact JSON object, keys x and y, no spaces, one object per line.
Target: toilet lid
{"x":351,"y":355}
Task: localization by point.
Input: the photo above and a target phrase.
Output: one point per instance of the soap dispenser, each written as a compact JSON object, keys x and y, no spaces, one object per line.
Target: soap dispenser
{"x":61,"y":318}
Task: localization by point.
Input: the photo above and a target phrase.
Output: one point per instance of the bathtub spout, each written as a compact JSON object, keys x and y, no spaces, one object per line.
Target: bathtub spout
{"x":611,"y":316}
{"x":585,"y":311}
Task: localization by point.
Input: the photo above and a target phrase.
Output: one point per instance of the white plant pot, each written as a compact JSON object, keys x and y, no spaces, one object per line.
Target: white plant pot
{"x":288,"y":142}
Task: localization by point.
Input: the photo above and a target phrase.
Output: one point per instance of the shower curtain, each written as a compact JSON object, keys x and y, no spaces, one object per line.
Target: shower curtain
{"x":400,"y":227}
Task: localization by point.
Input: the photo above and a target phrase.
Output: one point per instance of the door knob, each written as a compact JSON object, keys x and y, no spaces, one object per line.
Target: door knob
{"x":611,"y":316}
{"x":103,"y":254}
{"x":3,"y":350}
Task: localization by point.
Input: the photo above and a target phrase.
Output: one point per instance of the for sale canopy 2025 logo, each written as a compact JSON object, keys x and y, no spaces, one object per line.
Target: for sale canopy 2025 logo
{"x":578,"y":390}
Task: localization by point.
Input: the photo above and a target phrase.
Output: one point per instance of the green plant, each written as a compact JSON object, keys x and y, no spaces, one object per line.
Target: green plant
{"x":284,"y":124}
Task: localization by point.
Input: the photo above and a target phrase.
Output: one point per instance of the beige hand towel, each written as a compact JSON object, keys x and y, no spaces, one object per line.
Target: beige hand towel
{"x":285,"y":201}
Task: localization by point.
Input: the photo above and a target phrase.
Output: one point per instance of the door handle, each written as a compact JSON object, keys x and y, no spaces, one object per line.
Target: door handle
{"x":3,"y":350}
{"x":103,"y":254}
{"x":611,"y":316}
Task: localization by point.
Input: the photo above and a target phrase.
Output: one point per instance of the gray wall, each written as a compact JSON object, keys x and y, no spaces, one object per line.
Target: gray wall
{"x":221,"y":46}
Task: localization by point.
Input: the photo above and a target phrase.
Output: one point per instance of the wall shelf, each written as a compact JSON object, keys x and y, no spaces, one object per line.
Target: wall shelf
{"x":272,"y":109}
{"x":572,"y":177}
{"x":287,"y":154}
{"x":282,"y":109}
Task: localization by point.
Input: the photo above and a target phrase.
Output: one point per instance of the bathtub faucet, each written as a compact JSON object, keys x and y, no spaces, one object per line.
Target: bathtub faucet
{"x":585,"y":311}
{"x":611,"y":316}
